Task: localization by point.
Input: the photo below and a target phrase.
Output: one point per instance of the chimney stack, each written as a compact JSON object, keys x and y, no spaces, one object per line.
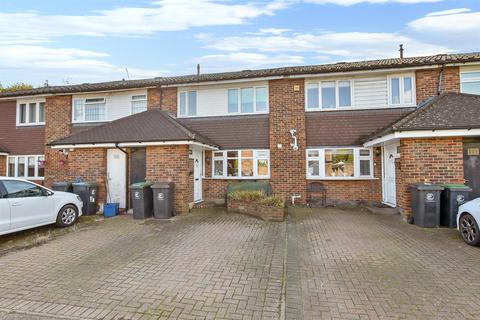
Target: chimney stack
{"x":198,"y":69}
{"x":401,"y":51}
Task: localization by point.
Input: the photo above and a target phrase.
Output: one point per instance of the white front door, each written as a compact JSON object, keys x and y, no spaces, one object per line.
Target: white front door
{"x":389,"y":182}
{"x":197,"y":175}
{"x":117,"y":177}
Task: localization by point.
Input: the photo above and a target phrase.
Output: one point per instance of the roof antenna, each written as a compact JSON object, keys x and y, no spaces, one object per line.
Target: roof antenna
{"x":128,"y":75}
{"x":198,"y":69}
{"x":401,"y":51}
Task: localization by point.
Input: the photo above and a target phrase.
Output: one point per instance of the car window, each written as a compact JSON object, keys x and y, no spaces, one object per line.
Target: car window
{"x":21,"y":189}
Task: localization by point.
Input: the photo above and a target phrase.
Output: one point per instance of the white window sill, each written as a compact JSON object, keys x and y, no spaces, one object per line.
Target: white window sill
{"x":342,"y":178}
{"x":359,"y":108}
{"x":30,"y":124}
{"x":238,"y":178}
{"x":224,"y":114}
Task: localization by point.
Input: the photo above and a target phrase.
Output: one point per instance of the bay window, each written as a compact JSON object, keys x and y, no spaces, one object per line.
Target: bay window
{"x":339,"y":163}
{"x":470,"y":82}
{"x":402,"y":90}
{"x":328,"y":95}
{"x":30,"y":113}
{"x":241,"y":164}
{"x":188,"y":103}
{"x":28,"y":167}
{"x":89,"y":110}
{"x":248,"y":100}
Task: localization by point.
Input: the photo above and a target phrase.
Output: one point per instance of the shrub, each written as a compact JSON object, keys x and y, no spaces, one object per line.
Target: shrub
{"x":257,"y":196}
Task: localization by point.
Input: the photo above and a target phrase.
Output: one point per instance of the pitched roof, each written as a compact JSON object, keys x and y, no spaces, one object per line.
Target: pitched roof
{"x":348,"y":128}
{"x":149,"y":126}
{"x":233,"y":132}
{"x":246,"y":74}
{"x":443,"y":112}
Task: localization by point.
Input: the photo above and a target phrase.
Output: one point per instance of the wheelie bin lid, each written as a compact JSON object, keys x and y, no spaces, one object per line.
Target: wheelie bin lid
{"x":426,"y":187}
{"x":61,"y":184}
{"x":456,"y":187}
{"x":85,"y":183}
{"x":162,"y":185}
{"x":141,"y":185}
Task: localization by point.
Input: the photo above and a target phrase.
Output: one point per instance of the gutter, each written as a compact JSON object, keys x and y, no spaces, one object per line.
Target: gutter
{"x":131,"y":144}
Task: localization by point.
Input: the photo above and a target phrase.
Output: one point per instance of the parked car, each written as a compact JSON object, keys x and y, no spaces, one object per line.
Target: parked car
{"x":25,"y":205}
{"x":467,"y":221}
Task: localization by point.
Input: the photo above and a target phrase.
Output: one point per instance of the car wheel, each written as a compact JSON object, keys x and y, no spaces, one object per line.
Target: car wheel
{"x":67,"y":216}
{"x":469,"y":230}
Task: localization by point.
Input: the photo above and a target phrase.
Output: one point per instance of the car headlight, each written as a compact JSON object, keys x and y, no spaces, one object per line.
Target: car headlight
{"x":79,"y":199}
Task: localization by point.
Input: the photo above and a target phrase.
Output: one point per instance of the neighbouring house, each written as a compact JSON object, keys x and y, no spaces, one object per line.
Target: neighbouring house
{"x":365,"y":130}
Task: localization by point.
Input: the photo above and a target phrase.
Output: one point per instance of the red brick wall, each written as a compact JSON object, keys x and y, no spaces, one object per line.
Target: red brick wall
{"x":433,"y":160}
{"x":356,"y":191}
{"x":162,"y":98}
{"x":287,"y":111}
{"x":153,"y":98}
{"x":172,"y":164}
{"x":3,"y":166}
{"x":427,"y":82}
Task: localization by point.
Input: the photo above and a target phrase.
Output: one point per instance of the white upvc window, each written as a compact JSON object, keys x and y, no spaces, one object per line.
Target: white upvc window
{"x":470,"y":82}
{"x":248,"y":100}
{"x":89,"y":110}
{"x":339,"y":163}
{"x":187,"y":100}
{"x":30,"y":112}
{"x":28,"y":167}
{"x":139,"y":103}
{"x":329,"y":95}
{"x":401,"y":90}
{"x":241,"y":164}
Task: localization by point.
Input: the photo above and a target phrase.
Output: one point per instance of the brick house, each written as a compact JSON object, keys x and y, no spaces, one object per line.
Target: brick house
{"x":366,"y":130}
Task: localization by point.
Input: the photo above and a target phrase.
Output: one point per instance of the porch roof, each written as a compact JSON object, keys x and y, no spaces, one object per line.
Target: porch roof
{"x":448,"y":111}
{"x":147,"y":127}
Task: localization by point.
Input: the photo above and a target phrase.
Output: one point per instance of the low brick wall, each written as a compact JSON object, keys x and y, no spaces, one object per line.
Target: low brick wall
{"x":266,"y":213}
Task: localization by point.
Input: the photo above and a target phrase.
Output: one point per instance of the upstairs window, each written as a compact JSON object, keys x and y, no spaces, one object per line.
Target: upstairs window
{"x":139,"y":103}
{"x":328,"y":95}
{"x":470,"y":82}
{"x":31,"y":113}
{"x":188,"y":103}
{"x":89,"y":110}
{"x":402,"y":90}
{"x":241,"y":164}
{"x":339,"y":163}
{"x":248,"y":100}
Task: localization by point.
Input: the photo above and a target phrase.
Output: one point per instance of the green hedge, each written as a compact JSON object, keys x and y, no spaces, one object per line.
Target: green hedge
{"x":257,"y":196}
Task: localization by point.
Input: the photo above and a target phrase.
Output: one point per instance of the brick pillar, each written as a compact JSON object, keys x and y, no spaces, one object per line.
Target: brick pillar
{"x":3,"y":165}
{"x":287,"y":111}
{"x":58,"y":119}
{"x":427,"y":82}
{"x":432,"y":160}
{"x":162,"y":98}
{"x":172,"y":164}
{"x":153,"y":98}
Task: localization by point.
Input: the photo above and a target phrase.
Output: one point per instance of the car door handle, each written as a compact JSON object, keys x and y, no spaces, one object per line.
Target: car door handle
{"x":16,"y":204}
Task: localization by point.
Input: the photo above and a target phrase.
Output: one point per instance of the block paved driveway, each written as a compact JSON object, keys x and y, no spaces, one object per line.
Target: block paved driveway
{"x":320,"y":264}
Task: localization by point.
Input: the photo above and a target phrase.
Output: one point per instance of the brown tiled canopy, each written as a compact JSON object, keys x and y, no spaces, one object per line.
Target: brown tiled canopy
{"x":348,"y":128}
{"x":150,"y":126}
{"x":249,"y":74}
{"x":444,"y":112}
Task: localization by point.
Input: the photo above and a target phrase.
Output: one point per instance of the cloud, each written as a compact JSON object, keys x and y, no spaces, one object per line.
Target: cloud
{"x":354,"y":2}
{"x":163,"y":15}
{"x":447,"y":12}
{"x":246,"y":60}
{"x":346,"y":45}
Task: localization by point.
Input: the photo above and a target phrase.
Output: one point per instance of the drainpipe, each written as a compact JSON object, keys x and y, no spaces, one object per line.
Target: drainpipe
{"x":127,"y":175}
{"x":440,"y":80}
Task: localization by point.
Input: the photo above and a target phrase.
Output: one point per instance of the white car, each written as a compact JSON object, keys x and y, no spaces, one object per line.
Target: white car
{"x":468,"y":218}
{"x":25,"y":205}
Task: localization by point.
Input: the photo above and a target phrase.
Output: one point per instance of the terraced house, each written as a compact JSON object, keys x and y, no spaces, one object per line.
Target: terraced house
{"x":366,"y":130}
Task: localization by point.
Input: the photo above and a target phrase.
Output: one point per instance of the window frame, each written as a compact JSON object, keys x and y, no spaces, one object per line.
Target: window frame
{"x":337,"y":95}
{"x":27,"y":103}
{"x":142,"y":100}
{"x":239,"y":100}
{"x":401,"y":78}
{"x":26,"y":157}
{"x":83,"y":110}
{"x":187,"y":99}
{"x":468,"y":81}
{"x":257,"y":155}
{"x":356,"y":163}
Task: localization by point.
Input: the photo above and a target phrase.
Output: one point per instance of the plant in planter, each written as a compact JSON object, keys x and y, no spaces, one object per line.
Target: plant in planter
{"x":257,"y":203}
